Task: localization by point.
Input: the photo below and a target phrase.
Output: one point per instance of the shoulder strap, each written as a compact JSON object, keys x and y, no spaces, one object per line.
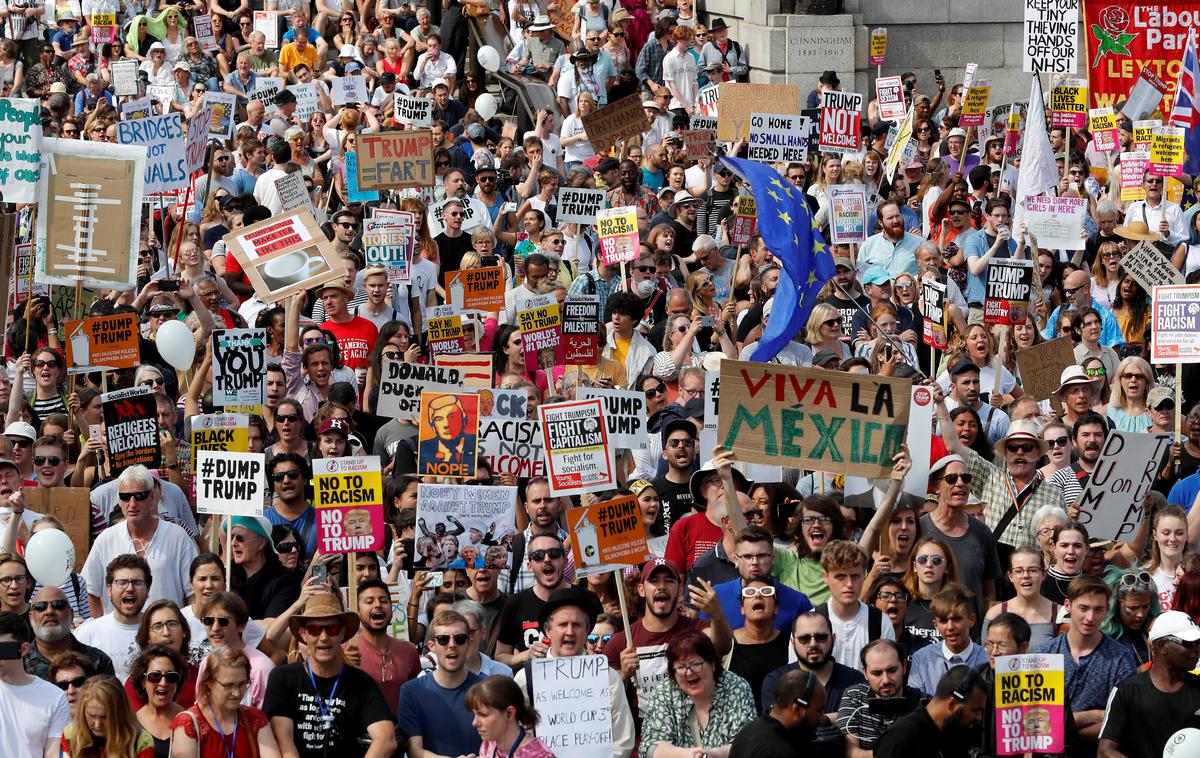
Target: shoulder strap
{"x":874,"y":622}
{"x":518,"y":557}
{"x":1054,"y":619}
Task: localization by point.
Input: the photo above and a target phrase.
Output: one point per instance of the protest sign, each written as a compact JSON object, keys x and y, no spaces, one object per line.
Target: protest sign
{"x":624,"y":413}
{"x":264,"y":21}
{"x":348,"y":89}
{"x":933,"y":307}
{"x":974,"y":108}
{"x":416,"y":112}
{"x":124,"y":77}
{"x":904,"y":147}
{"x":889,"y":94}
{"x":18,"y":279}
{"x":475,"y":215}
{"x":354,"y":191}
{"x":203,"y":29}
{"x":698,"y":141}
{"x":231,"y":483}
{"x":564,"y":19}
{"x":840,"y":113}
{"x":477,"y":289}
{"x":1068,"y":103}
{"x":615,"y":123}
{"x":1113,"y":502}
{"x":541,"y":332}
{"x":474,"y":368}
{"x":848,"y":214}
{"x":708,"y":103}
{"x":1133,"y":175}
{"x":1145,"y":96}
{"x":1030,"y":704}
{"x":307,"y":99}
{"x":239,"y":365}
{"x":1009,"y":291}
{"x":89,"y":213}
{"x":712,"y":409}
{"x":446,"y":335}
{"x":581,"y":330}
{"x":162,"y":136}
{"x":738,"y":101}
{"x":223,"y":115}
{"x":131,"y":428}
{"x":285,"y":253}
{"x":1125,"y":38}
{"x":465,"y":526}
{"x":1041,"y":365}
{"x":1012,"y":134}
{"x":1056,"y":221}
{"x":577,"y":447}
{"x":1051,"y":31}
{"x":402,"y":383}
{"x":102,"y":26}
{"x":399,"y":592}
{"x":72,"y":507}
{"x":219,"y":432}
{"x":618,"y":232}
{"x":348,"y":496}
{"x":103,"y":343}
{"x":1143,"y":133}
{"x":161,"y":94}
{"x":745,"y":220}
{"x":20,"y":148}
{"x":447,"y":433}
{"x":293,"y":193}
{"x":570,"y":693}
{"x":778,"y":139}
{"x":1150,"y":267}
{"x":811,"y":418}
{"x":1175,"y":318}
{"x":1102,"y":123}
{"x":512,"y":404}
{"x":878,"y":47}
{"x":390,"y":241}
{"x":579,"y":205}
{"x":265,"y":89}
{"x":395,"y":160}
{"x":512,"y":446}
{"x":1166,"y":151}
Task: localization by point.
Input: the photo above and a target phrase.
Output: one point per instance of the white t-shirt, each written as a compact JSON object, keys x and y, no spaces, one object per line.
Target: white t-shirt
{"x":265,"y":192}
{"x":680,"y":69}
{"x":428,"y":70}
{"x":114,"y":638}
{"x":576,"y":151}
{"x":252,"y":635}
{"x":852,"y":636}
{"x":32,"y":714}
{"x":169,"y":553}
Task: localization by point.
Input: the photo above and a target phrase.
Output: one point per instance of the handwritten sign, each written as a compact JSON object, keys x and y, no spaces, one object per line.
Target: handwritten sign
{"x":20,"y":148}
{"x":571,"y":695}
{"x":738,"y":101}
{"x":395,"y":160}
{"x":1050,"y":39}
{"x":1056,"y":221}
{"x":1041,"y":366}
{"x":162,"y":136}
{"x":348,"y":496}
{"x":778,"y":139}
{"x":615,"y":123}
{"x":1150,"y":267}
{"x":402,"y":383}
{"x":1113,"y":502}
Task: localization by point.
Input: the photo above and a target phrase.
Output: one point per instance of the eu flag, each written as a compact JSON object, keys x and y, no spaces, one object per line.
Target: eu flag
{"x":787,"y":228}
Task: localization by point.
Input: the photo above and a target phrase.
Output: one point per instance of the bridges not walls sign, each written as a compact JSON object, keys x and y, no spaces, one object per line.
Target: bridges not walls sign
{"x":812,"y":418}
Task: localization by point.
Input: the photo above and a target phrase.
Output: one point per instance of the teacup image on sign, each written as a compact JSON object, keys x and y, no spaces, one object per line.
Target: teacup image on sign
{"x":292,"y":268}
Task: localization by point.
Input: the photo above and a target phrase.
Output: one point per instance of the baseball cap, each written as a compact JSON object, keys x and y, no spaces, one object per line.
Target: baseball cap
{"x":963,"y":365}
{"x":660,"y":563}
{"x":1174,"y":624}
{"x":678,"y":425}
{"x":475,"y":131}
{"x":877,"y":275}
{"x":608,"y":164}
{"x":1159,"y":395}
{"x":334,"y":425}
{"x":824,"y":356}
{"x":843,"y":263}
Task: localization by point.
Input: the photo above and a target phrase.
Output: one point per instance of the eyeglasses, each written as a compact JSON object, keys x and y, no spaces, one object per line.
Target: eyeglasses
{"x":43,"y":364}
{"x":441,"y":164}
{"x":755,"y":556}
{"x":287,"y":547}
{"x":954,"y":478}
{"x":159,"y":382}
{"x":996,"y":647}
{"x":444,"y":639}
{"x":1021,"y":447}
{"x":238,"y":538}
{"x":681,"y":443}
{"x":41,"y":605}
{"x":331,"y":628}
{"x":77,"y":682}
{"x":163,"y":315}
{"x":1034,"y":571}
{"x":233,"y":686}
{"x":154,"y":677}
{"x":165,"y":626}
{"x":810,"y":520}
{"x":656,"y":391}
{"x":1058,"y":441}
{"x":140,"y":496}
{"x":889,"y":595}
{"x":42,"y":460}
{"x":8,"y":581}
{"x":764,"y":591}
{"x":689,"y":667}
{"x":929,"y":560}
{"x":554,"y":554}
{"x":135,"y":583}
{"x":1073,"y":290}
{"x":287,"y":418}
{"x":601,"y":638}
{"x":807,"y":639}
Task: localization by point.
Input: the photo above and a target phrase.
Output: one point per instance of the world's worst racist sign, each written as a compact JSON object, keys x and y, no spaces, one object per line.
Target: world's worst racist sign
{"x":577,"y":447}
{"x":348,"y":496}
{"x":809,"y":418}
{"x":131,"y":424}
{"x":541,"y":332}
{"x":607,"y":536}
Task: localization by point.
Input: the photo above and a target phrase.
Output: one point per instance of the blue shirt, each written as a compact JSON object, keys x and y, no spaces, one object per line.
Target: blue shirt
{"x":1089,"y":680}
{"x":290,"y":35}
{"x":977,"y":247}
{"x":244,"y":180}
{"x":898,"y":258}
{"x":930,"y":664}
{"x":1110,"y":330}
{"x":790,"y":603}
{"x":842,"y":678}
{"x":1184,"y":492}
{"x":305,"y":526}
{"x":438,"y":716}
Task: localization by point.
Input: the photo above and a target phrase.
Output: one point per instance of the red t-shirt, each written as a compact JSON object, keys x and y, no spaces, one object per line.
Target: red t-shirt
{"x":691,"y":537}
{"x":355,"y":337}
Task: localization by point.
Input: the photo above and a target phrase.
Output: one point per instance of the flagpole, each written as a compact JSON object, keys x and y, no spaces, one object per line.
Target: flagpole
{"x":894,"y":345}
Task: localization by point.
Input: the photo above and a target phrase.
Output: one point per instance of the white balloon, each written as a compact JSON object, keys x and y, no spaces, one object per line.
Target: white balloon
{"x":176,"y":344}
{"x":489,"y":58}
{"x":50,"y":556}
{"x":1183,"y":744}
{"x":485,"y":106}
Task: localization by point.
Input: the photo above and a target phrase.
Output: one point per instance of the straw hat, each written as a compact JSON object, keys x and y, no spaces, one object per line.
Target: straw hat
{"x":324,"y":606}
{"x":1137,"y":230}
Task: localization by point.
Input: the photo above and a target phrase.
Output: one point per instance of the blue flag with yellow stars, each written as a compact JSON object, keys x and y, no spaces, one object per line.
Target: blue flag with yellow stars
{"x":787,"y":228}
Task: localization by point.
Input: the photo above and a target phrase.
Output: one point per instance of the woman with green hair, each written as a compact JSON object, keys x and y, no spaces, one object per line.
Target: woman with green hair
{"x":168,"y":27}
{"x":1135,"y":606}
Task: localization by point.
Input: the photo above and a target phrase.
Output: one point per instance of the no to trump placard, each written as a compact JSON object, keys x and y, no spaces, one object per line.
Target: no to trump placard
{"x":1051,"y":32}
{"x":618,"y":232}
{"x":778,"y":139}
{"x":625,"y":414}
{"x":102,"y":343}
{"x":840,"y":121}
{"x":402,"y":383}
{"x":1175,"y":318}
{"x":607,"y":536}
{"x":810,"y":418}
{"x":395,"y":160}
{"x":1030,"y":701}
{"x":348,"y":496}
{"x":577,"y":447}
{"x":230,"y":483}
{"x":571,"y":695}
{"x":579,"y":205}
{"x":1009,"y":291}
{"x":1102,"y":123}
{"x":1113,"y":502}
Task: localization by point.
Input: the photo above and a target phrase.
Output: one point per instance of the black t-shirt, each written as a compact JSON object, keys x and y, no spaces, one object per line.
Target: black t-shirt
{"x":355,"y":705}
{"x":676,"y":500}
{"x":847,"y":309}
{"x":268,"y":593}
{"x":519,"y":620}
{"x":1141,"y":718}
{"x":754,"y":662}
{"x":684,"y":238}
{"x":451,"y":251}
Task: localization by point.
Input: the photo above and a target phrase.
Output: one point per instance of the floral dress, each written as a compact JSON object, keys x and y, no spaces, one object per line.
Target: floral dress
{"x":669,"y":715}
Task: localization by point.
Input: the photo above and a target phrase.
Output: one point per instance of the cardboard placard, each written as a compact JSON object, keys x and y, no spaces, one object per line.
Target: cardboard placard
{"x":162,"y":136}
{"x":933,"y":307}
{"x":1009,"y":291}
{"x":840,"y":114}
{"x":541,"y":332}
{"x":293,"y":193}
{"x":447,"y":433}
{"x":416,"y":112}
{"x":578,"y":454}
{"x":1030,"y":704}
{"x":811,"y":418}
{"x":618,"y":232}
{"x":103,"y":343}
{"x":477,"y":289}
{"x":131,"y":428}
{"x":395,"y":160}
{"x":1113,"y":502}
{"x":1175,"y":318}
{"x":625,"y":415}
{"x":1051,"y":30}
{"x":579,"y":205}
{"x":581,"y":330}
{"x":778,"y":139}
{"x":1057,"y":222}
{"x":571,"y":695}
{"x":512,"y":446}
{"x":1069,"y":103}
{"x":464,"y":526}
{"x":889,"y":94}
{"x":124,"y":77}
{"x":265,"y":89}
{"x":698,"y":142}
{"x":72,"y":507}
{"x":239,"y":369}
{"x":1041,"y":366}
{"x":1150,"y":267}
{"x":402,"y":383}
{"x":354,"y":191}
{"x":231,"y":483}
{"x":738,"y":101}
{"x":348,"y":496}
{"x":615,"y":123}
{"x":848,"y":214}
{"x":308,"y":100}
{"x":285,"y":254}
{"x":391,"y":242}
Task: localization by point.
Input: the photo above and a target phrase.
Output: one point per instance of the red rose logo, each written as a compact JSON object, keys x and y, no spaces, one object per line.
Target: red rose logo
{"x":1114,"y":19}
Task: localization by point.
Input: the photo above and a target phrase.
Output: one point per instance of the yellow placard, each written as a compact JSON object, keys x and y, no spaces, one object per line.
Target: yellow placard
{"x":878,"y":46}
{"x":104,"y":19}
{"x":1101,"y":119}
{"x":617,"y":223}
{"x":1166,"y":151}
{"x":226,"y":432}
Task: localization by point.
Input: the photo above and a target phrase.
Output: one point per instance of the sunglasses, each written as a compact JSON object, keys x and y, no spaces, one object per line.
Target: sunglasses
{"x":833,"y":322}
{"x":645,"y":269}
{"x":1098,"y":370}
{"x":289,"y":418}
{"x":139,"y":496}
{"x":441,"y":164}
{"x":333,"y":629}
{"x":152,"y":382}
{"x":1021,"y":447}
{"x":444,"y":639}
{"x":753,"y":514}
{"x":954,"y":478}
{"x":1190,"y":645}
{"x":347,"y":225}
{"x":554,"y":554}
{"x":154,"y":677}
{"x":279,"y":476}
{"x":221,"y":621}
{"x":749,"y":592}
{"x":681,"y":443}
{"x":806,"y":639}
{"x":601,"y":638}
{"x":1140,"y":579}
{"x":929,"y":560}
{"x":1059,"y":441}
{"x":959,"y":212}
{"x":287,"y":547}
{"x":43,"y":364}
{"x":20,"y":442}
{"x":41,"y":605}
{"x":42,"y":460}
{"x":655,"y":392}
{"x":77,"y":682}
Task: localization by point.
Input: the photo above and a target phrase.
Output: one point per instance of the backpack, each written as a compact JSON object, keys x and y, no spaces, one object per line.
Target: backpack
{"x":874,"y":620}
{"x":737,"y":56}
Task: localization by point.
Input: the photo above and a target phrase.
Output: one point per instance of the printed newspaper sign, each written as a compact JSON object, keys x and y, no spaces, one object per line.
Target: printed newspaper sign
{"x":1051,"y":30}
{"x":1175,"y":317}
{"x":577,"y":447}
{"x":778,"y":139}
{"x":402,"y":383}
{"x":571,"y":695}
{"x":230,"y":483}
{"x":848,"y":214}
{"x":1113,"y":501}
{"x":512,"y":446}
{"x":131,"y":427}
{"x":202,"y":24}
{"x":464,"y":526}
{"x":541,"y":332}
{"x":1069,"y":103}
{"x":1041,"y":366}
{"x":103,"y":343}
{"x":348,"y":496}
{"x":581,"y":330}
{"x":416,"y":112}
{"x":1030,"y":704}
{"x":811,"y":418}
{"x":395,"y":160}
{"x":1149,"y":267}
{"x":615,"y":123}
{"x":889,"y":93}
{"x":1056,"y":221}
{"x":1009,"y":291}
{"x":933,"y":307}
{"x":447,"y":434}
{"x":239,"y":366}
{"x":624,"y":413}
{"x":284,"y":254}
{"x":618,"y":232}
{"x":579,"y":205}
{"x":840,"y":113}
